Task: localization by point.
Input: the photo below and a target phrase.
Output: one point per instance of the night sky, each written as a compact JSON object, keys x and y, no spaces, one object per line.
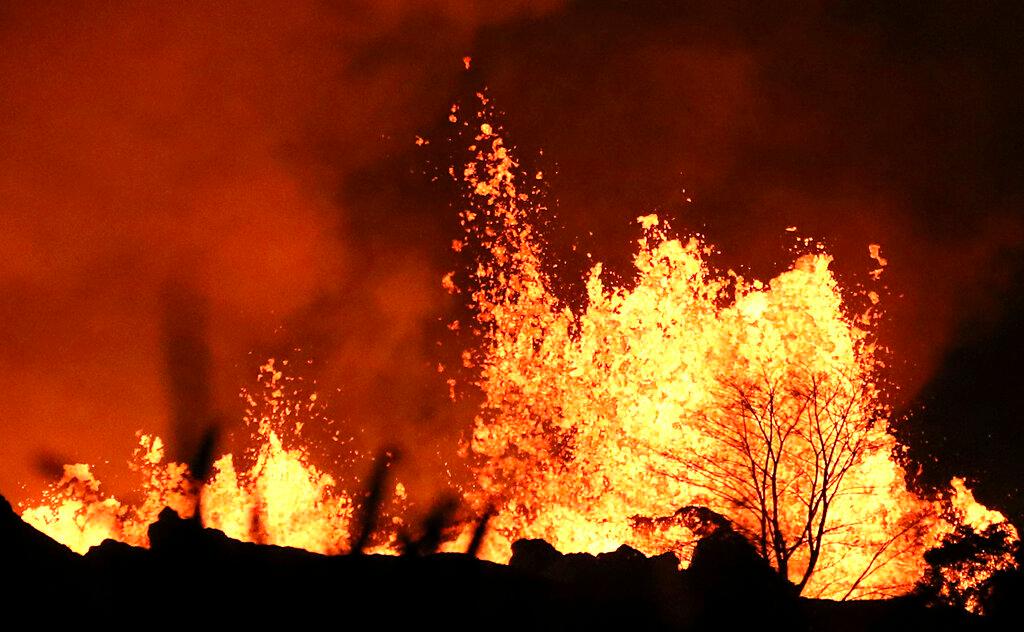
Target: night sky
{"x":264,"y":158}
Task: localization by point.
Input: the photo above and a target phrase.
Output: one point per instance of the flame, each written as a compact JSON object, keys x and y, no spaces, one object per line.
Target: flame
{"x":281,"y":498}
{"x":76,"y":513}
{"x":757,"y":400}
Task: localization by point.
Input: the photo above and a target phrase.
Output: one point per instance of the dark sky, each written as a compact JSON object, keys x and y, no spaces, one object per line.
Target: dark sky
{"x":263,"y":157}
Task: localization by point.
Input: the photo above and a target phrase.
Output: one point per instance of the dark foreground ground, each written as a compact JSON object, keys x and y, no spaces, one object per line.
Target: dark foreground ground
{"x":196,"y":577}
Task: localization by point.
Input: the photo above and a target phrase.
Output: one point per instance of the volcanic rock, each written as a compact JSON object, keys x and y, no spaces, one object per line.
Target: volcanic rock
{"x":533,"y":556}
{"x":34,"y":567}
{"x":725,"y":570}
{"x":623,"y":587}
{"x":200,"y":578}
{"x":27,"y":550}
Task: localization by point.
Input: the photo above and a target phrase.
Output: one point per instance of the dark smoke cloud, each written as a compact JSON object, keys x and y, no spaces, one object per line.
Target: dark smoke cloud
{"x":263,"y":156}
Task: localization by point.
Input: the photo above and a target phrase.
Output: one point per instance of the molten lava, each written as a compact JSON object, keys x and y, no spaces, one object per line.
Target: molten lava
{"x":757,"y":400}
{"x":281,"y":498}
{"x":760,"y":401}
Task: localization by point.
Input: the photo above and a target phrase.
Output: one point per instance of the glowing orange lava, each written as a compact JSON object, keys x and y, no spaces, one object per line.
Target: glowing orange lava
{"x":758,"y":400}
{"x":281,"y":498}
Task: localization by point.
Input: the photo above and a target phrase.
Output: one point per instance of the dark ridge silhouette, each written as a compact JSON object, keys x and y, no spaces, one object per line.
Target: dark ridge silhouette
{"x":32,"y":564}
{"x":190,"y":571}
{"x":20,"y":543}
{"x":725,"y":564}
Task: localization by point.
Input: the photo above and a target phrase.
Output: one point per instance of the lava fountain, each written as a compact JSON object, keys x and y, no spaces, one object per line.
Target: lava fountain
{"x":280,"y":497}
{"x":759,"y":401}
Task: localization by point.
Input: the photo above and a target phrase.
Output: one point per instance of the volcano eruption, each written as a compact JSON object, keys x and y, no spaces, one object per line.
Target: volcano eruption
{"x":485,"y":394}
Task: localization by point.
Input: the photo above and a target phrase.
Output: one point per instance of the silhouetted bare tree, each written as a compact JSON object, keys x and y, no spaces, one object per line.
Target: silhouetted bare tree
{"x":779,"y":455}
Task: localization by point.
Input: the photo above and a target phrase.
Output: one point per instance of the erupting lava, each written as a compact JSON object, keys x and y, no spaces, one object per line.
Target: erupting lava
{"x":757,"y":400}
{"x":281,"y":498}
